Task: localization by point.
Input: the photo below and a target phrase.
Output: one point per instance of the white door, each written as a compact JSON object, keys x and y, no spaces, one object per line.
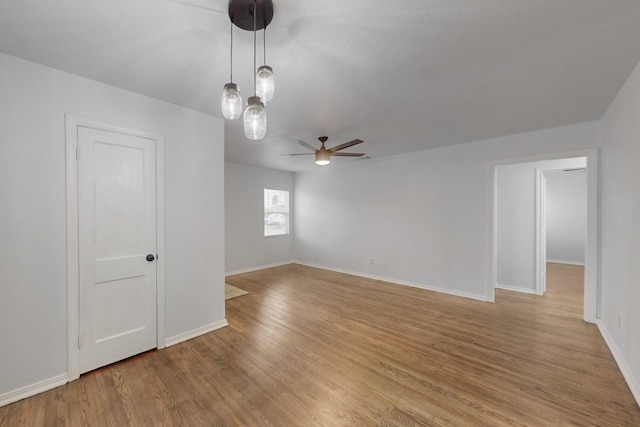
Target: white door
{"x":117,"y":245}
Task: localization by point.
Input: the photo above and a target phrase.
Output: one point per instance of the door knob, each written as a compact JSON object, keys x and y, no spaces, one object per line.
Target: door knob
{"x":150,"y":257}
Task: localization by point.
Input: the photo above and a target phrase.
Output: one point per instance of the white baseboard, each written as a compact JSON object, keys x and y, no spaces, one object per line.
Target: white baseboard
{"x":516,"y":289}
{"x":559,"y":261}
{"x":62,"y":379}
{"x":260,"y":267}
{"x":33,"y":389}
{"x":177,"y":339}
{"x":632,"y":381}
{"x":398,"y":282}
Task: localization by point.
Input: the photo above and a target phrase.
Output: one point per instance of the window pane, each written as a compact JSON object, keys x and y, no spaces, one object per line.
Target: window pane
{"x":276,"y":212}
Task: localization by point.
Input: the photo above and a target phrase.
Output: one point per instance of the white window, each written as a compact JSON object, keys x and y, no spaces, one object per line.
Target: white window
{"x":276,"y":212}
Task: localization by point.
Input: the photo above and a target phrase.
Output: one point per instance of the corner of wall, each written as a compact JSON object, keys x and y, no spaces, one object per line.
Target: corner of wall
{"x":627,"y":373}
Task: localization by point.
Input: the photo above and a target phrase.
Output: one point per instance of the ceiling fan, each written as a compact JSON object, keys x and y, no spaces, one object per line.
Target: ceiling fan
{"x":323,"y":155}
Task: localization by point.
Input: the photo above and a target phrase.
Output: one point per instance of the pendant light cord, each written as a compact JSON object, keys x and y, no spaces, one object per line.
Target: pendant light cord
{"x":264,"y":45}
{"x":255,"y":2}
{"x":231,"y":59}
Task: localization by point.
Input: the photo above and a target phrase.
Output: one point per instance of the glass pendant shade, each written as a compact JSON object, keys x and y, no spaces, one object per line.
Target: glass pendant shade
{"x":255,"y":119}
{"x":323,"y":158}
{"x":231,"y":101}
{"x":265,"y":85}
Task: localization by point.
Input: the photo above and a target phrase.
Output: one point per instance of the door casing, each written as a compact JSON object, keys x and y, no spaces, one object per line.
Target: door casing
{"x":541,"y":232}
{"x":72,"y":206}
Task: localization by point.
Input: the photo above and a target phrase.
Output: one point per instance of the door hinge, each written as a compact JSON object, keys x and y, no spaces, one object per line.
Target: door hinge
{"x":77,"y":152}
{"x":80,"y":341}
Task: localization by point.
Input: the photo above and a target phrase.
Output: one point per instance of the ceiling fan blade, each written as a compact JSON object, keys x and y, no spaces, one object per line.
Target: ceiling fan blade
{"x":348,"y":154}
{"x":307,"y":145}
{"x":345,"y":145}
{"x":297,"y":154}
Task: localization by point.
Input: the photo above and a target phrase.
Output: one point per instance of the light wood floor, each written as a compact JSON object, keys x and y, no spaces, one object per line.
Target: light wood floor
{"x":309,"y":347}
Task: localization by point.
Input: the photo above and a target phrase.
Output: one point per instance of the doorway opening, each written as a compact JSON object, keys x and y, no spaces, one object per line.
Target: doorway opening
{"x":518,"y":241}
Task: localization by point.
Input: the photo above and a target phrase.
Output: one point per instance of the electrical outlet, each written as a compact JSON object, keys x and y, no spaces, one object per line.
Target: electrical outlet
{"x":384,"y":265}
{"x":619,"y":321}
{"x":371,"y":261}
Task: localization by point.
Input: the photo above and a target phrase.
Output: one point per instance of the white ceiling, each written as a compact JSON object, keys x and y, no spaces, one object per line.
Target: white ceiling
{"x":402,"y":75}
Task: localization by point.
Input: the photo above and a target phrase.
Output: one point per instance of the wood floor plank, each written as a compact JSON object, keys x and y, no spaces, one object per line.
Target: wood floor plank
{"x":310,"y":347}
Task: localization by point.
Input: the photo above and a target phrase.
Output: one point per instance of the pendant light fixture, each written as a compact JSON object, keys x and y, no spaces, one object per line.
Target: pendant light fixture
{"x":252,"y":15}
{"x":264,"y":77}
{"x":231,"y":101}
{"x":255,"y":116}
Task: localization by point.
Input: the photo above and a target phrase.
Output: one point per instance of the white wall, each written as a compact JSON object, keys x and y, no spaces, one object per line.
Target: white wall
{"x":620,"y":229}
{"x":516,"y":221}
{"x":33,"y":273}
{"x":422,"y":217}
{"x":566,"y":206}
{"x":246,"y":246}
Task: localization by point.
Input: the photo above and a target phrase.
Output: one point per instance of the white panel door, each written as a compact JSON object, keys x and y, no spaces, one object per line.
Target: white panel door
{"x":117,"y":240}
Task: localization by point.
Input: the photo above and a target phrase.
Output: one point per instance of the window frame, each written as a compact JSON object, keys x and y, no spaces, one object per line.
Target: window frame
{"x":275,"y":210}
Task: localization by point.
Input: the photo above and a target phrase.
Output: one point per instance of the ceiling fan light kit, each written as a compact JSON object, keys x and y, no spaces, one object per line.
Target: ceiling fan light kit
{"x":250,"y":15}
{"x":323,"y":158}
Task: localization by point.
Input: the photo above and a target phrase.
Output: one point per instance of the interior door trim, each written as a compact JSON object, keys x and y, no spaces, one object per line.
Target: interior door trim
{"x":72,"y":123}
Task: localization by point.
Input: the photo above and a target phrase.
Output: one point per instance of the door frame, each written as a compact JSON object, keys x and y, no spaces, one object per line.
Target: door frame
{"x":72,"y":206}
{"x":541,"y":228}
{"x":592,"y":294}
{"x":541,"y":231}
